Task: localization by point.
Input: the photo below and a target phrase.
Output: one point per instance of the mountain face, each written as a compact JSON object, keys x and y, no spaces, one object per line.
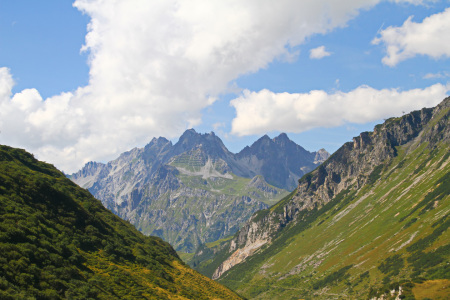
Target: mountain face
{"x":372,"y":218}
{"x":280,"y":161}
{"x":58,"y":242}
{"x":196,"y":191}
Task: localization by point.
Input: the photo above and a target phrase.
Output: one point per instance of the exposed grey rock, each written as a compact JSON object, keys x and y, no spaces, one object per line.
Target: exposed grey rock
{"x":195,"y":191}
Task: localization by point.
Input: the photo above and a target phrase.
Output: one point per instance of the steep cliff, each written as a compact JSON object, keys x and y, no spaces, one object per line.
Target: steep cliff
{"x":381,"y":177}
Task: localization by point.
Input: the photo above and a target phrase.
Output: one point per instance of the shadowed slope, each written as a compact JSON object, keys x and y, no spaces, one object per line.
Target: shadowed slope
{"x":57,"y":241}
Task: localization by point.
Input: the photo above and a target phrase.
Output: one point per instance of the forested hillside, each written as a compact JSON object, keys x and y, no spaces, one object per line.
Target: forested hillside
{"x":59,"y":242}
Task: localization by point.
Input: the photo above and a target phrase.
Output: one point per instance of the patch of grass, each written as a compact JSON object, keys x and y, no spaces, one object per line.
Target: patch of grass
{"x":441,"y":190}
{"x":218,"y":242}
{"x":432,"y":289}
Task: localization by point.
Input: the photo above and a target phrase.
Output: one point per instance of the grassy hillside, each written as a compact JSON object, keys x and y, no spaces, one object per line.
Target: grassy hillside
{"x":235,"y":187}
{"x":385,"y":233}
{"x":57,"y":241}
{"x":391,"y":231}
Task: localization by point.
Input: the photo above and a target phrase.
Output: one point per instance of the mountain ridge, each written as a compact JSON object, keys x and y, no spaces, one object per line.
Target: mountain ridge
{"x":402,"y":151}
{"x":164,"y":188}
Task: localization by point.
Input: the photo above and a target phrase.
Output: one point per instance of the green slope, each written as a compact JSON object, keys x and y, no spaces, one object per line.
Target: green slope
{"x":235,"y":187}
{"x":371,"y":220}
{"x":390,"y":231}
{"x":57,"y":241}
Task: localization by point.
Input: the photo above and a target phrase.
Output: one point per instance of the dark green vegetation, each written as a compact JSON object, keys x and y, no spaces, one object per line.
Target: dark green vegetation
{"x":57,"y":241}
{"x":372,"y":220}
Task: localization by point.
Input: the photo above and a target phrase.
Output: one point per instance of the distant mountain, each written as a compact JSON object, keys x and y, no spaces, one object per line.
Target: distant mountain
{"x":58,"y":242}
{"x":280,"y":161}
{"x":371,"y":222}
{"x":196,"y":191}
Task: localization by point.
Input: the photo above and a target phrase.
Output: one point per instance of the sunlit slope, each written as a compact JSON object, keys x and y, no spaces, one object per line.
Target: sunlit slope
{"x":57,"y":241}
{"x":392,"y":230}
{"x":372,"y":218}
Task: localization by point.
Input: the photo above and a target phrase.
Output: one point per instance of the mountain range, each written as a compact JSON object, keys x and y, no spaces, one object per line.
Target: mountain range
{"x":196,"y":191}
{"x":58,"y":242}
{"x":371,"y":222}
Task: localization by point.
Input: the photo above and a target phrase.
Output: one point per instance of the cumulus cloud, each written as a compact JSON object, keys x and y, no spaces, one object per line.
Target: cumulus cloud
{"x":411,"y":39}
{"x":318,"y":53}
{"x":154,"y":66}
{"x":265,"y":111}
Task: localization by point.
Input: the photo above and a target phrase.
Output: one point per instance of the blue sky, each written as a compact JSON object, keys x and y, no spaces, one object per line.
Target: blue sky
{"x":88,"y":80}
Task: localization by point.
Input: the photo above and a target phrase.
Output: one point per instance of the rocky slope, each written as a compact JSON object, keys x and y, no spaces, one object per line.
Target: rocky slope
{"x":377,"y":205}
{"x":59,"y":242}
{"x":196,"y":191}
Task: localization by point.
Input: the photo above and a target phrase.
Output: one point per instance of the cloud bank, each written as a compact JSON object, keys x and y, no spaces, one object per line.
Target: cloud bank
{"x":154,"y":65}
{"x":413,"y":39}
{"x":265,"y":111}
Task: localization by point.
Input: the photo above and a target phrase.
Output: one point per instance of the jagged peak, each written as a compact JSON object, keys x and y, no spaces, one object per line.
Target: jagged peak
{"x":92,"y":165}
{"x":189,"y":132}
{"x":321,"y":155}
{"x":207,"y":141}
{"x":159,"y":140}
{"x":187,"y":135}
{"x":90,"y":168}
{"x":282,"y":137}
{"x":262,"y":140}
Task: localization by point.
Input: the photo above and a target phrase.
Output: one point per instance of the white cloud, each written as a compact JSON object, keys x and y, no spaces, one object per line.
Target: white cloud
{"x":318,"y":53}
{"x":265,"y":111}
{"x":411,"y":39}
{"x":436,"y":75}
{"x":154,"y":66}
{"x":415,"y":2}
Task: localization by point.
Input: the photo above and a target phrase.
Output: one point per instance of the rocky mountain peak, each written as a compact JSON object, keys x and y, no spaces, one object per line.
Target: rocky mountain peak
{"x":264,"y":140}
{"x":260,"y":146}
{"x":91,"y":167}
{"x":211,"y":144}
{"x":280,"y":160}
{"x":321,"y":156}
{"x":87,"y":175}
{"x":158,"y":141}
{"x":282,"y":138}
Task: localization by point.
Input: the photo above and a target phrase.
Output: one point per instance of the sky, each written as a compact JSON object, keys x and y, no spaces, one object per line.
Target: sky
{"x":86,"y":80}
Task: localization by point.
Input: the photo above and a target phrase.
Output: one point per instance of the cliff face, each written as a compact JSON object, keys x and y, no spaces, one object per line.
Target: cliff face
{"x":195,"y":191}
{"x":355,"y":165}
